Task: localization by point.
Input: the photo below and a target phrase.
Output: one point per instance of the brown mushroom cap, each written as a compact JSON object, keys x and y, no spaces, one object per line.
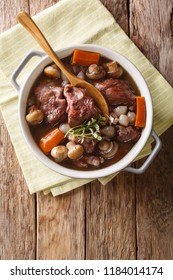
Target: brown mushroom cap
{"x":59,"y":153}
{"x":35,"y":116}
{"x":75,"y":151}
{"x":52,"y":71}
{"x":111,"y":150}
{"x":95,"y":72}
{"x":113,"y":69}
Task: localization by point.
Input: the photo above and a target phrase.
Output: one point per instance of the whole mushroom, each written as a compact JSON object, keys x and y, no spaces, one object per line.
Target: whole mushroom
{"x":113,"y":69}
{"x":34,"y":116}
{"x":95,"y":72}
{"x":52,"y":71}
{"x":108,"y":149}
{"x":59,"y":153}
{"x":75,"y":151}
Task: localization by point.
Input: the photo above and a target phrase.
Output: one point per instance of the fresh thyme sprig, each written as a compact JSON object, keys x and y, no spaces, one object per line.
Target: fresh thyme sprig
{"x":89,"y":129}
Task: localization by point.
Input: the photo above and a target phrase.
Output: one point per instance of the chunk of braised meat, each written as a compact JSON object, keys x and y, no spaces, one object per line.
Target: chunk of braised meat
{"x":94,"y":160}
{"x":88,"y":160}
{"x":80,"y":163}
{"x":89,"y":145}
{"x":127,"y":134}
{"x":81,"y":107}
{"x":51,"y":101}
{"x":117,"y":92}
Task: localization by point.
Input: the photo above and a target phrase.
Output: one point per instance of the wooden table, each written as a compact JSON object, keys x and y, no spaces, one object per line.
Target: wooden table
{"x":132,"y":216}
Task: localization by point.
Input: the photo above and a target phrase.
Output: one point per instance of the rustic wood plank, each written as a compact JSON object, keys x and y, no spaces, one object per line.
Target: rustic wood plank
{"x":39,"y":5}
{"x":8,"y":12}
{"x":110,"y":224}
{"x":155,"y":206}
{"x":110,"y":229}
{"x":151,"y":29}
{"x":61,"y":220}
{"x":17,"y":207}
{"x":119,"y":10}
{"x":61,"y":226}
{"x":60,"y":235}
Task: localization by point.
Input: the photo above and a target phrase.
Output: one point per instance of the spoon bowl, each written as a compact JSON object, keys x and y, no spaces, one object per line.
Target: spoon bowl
{"x":27,"y":22}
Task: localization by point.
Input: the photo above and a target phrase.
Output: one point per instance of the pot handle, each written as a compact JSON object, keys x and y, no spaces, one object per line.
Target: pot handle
{"x":22,"y":65}
{"x":149,"y":159}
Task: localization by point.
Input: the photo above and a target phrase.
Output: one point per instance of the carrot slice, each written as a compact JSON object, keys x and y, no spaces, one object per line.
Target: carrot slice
{"x":50,"y":140}
{"x":140,"y":111}
{"x":85,"y":58}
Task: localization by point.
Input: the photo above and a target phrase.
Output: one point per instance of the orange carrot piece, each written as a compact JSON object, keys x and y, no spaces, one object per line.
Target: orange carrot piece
{"x":140,"y":111}
{"x":50,"y":140}
{"x":85,"y":58}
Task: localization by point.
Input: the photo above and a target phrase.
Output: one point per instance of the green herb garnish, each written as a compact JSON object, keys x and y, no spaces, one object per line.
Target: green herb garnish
{"x":89,"y":129}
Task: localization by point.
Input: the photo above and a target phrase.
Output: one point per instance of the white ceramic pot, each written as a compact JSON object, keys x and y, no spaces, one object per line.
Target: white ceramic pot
{"x":125,"y":162}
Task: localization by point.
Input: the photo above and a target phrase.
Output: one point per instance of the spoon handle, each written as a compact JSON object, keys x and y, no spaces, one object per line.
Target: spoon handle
{"x":27,"y":22}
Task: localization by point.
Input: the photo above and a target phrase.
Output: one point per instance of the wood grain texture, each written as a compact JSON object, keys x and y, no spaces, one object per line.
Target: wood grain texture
{"x":64,"y":240}
{"x":155,"y":206}
{"x":17,"y":206}
{"x":112,"y":207}
{"x":119,"y":10}
{"x":60,"y":220}
{"x":110,"y":228}
{"x":39,"y":5}
{"x":61,"y":226}
{"x":8,"y":11}
{"x":150,"y":28}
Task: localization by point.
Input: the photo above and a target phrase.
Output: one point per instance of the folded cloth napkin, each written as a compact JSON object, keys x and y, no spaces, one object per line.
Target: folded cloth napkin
{"x":65,"y":22}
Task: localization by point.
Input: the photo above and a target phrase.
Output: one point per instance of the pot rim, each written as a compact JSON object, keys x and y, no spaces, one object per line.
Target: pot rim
{"x":101,"y":172}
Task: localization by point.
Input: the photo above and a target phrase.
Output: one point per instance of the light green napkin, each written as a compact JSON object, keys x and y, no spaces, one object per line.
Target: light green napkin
{"x":65,"y":23}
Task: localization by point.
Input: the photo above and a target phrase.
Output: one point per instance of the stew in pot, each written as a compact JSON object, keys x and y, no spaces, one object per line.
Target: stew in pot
{"x":68,"y":126}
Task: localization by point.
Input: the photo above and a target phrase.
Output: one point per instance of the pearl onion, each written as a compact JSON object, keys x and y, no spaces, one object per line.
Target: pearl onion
{"x":124,"y":120}
{"x":64,"y":127}
{"x":120,"y":110}
{"x":132,"y":117}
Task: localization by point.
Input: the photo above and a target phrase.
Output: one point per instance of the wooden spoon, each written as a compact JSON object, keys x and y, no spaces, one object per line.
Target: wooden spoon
{"x":30,"y":25}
